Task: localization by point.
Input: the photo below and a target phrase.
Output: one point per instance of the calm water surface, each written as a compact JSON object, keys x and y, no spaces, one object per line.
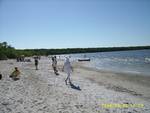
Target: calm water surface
{"x":137,"y":61}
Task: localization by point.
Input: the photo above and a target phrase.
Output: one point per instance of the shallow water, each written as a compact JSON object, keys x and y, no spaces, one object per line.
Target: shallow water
{"x":136,"y":61}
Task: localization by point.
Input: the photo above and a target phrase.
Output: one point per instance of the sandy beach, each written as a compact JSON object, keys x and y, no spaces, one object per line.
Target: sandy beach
{"x":41,"y":91}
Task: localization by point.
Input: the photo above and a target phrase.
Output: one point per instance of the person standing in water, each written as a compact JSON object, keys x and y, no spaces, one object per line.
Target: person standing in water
{"x":68,"y":69}
{"x":36,"y":63}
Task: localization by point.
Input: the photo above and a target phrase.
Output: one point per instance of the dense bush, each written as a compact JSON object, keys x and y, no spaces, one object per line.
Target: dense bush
{"x":3,"y":56}
{"x":6,"y":51}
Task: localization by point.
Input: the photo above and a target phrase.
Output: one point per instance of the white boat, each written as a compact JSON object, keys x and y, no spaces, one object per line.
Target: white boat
{"x":83,"y":59}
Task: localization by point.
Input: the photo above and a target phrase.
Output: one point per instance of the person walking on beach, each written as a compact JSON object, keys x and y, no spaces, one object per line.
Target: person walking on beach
{"x":54,"y":65}
{"x":68,"y":69}
{"x":36,"y":63}
{"x":15,"y":74}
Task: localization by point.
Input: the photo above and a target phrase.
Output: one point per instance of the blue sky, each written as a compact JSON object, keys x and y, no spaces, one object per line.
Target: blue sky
{"x":74,"y":23}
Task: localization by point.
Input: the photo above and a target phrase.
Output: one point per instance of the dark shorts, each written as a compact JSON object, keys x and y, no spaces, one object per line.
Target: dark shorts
{"x":0,"y":76}
{"x":36,"y":64}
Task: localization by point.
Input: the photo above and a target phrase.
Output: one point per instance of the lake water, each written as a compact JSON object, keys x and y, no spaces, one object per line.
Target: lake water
{"x":136,"y":61}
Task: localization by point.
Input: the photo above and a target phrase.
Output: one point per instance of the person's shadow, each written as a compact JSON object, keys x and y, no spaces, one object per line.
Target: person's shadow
{"x":75,"y":87}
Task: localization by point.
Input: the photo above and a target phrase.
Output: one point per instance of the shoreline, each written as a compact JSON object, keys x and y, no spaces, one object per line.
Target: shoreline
{"x":41,"y":91}
{"x":134,"y":84}
{"x":134,"y":73}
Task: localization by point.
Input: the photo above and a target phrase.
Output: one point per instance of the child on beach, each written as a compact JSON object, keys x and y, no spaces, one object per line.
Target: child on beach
{"x":68,"y":69}
{"x":15,"y":74}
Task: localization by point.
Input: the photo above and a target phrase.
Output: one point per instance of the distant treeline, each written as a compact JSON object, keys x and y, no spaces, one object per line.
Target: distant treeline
{"x":6,"y":51}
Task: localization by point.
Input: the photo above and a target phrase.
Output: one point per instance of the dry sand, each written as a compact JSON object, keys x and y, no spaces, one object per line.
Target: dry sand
{"x":42,"y":91}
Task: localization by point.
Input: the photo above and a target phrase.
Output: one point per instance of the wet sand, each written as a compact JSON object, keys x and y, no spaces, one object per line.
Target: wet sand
{"x":134,"y":84}
{"x":42,"y":91}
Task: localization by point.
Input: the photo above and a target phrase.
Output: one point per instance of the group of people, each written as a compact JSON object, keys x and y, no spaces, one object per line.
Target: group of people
{"x":15,"y":75}
{"x":20,"y":58}
{"x":66,"y":68}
